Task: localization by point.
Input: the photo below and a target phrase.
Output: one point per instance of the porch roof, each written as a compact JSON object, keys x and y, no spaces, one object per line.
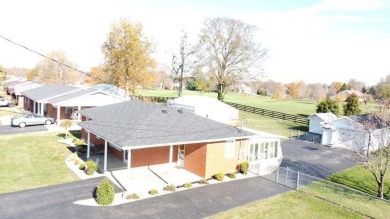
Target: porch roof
{"x":135,"y":124}
{"x":46,"y":92}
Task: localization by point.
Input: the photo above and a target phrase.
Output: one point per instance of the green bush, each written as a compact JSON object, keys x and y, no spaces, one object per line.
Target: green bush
{"x":219,"y":176}
{"x":203,"y":182}
{"x":132,"y":196}
{"x":170,"y":188}
{"x":78,"y":142}
{"x":82,"y":167}
{"x":187,"y":185}
{"x":90,"y":167}
{"x":232,"y":175}
{"x":153,"y":192}
{"x":244,"y":167}
{"x":105,"y":192}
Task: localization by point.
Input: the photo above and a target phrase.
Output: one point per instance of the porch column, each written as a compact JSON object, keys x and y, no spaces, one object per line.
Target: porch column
{"x":88,"y":143}
{"x":78,"y":114}
{"x":42,"y":107}
{"x":58,"y":114}
{"x":105,"y":155}
{"x":128,"y":159}
{"x":170,"y":153}
{"x":33,"y":107}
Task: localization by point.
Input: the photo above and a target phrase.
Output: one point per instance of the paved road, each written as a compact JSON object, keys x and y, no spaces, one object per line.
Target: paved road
{"x":7,"y":129}
{"x":315,"y":159}
{"x":57,"y":201}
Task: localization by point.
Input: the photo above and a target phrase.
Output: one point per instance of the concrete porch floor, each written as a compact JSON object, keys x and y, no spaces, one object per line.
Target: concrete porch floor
{"x":174,"y":174}
{"x":113,"y":163}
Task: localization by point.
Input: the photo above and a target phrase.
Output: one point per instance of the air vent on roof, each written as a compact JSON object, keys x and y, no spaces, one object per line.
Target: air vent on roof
{"x":180,"y":111}
{"x":164,"y":111}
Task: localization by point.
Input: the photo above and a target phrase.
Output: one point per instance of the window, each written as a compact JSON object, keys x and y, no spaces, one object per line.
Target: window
{"x":271,"y":150}
{"x":68,"y":110}
{"x":229,"y":149}
{"x":266,"y":150}
{"x":276,"y":148}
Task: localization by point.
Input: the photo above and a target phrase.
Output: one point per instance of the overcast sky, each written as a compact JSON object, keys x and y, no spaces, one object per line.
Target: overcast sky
{"x":317,"y":41}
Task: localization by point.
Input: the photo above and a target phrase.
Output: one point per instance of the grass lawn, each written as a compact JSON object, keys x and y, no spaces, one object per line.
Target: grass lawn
{"x":32,"y":160}
{"x":289,"y":205}
{"x":359,"y":178}
{"x":349,"y":198}
{"x":274,"y":126}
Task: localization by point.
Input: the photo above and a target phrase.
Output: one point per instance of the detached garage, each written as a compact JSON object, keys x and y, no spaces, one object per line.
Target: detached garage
{"x":316,"y":120}
{"x":206,"y":107}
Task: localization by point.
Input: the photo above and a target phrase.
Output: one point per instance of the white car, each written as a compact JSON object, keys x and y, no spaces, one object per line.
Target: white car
{"x":3,"y":102}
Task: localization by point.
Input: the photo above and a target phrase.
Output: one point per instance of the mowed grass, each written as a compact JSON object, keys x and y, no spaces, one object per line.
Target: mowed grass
{"x":349,"y":198}
{"x":361,"y":179}
{"x":296,"y":107}
{"x":31,"y":161}
{"x":290,"y":205}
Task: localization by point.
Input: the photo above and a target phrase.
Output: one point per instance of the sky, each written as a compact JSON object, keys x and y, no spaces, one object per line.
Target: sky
{"x":311,"y":40}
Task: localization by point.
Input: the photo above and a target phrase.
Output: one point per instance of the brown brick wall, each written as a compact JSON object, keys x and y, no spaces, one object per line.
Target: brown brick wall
{"x":195,"y":158}
{"x":151,"y":156}
{"x":28,"y":107}
{"x":117,"y":153}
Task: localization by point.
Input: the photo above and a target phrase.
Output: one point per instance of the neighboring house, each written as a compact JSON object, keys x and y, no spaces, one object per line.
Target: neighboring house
{"x":142,"y":134}
{"x":316,"y":120}
{"x":241,"y":88}
{"x":349,"y":132}
{"x":206,"y":107}
{"x":343,"y":95}
{"x":9,"y":86}
{"x":18,"y":89}
{"x":36,"y":99}
{"x":66,"y":106}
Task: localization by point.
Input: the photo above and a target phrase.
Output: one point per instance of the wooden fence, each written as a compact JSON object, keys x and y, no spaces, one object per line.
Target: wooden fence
{"x":270,"y":114}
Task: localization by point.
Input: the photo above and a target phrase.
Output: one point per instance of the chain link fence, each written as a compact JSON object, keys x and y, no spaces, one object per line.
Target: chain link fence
{"x":305,"y":136}
{"x":368,"y":205}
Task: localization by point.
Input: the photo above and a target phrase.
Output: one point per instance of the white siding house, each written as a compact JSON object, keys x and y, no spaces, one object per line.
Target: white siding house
{"x":316,"y":120}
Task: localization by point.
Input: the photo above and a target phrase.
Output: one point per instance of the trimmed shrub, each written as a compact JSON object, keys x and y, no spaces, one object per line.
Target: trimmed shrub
{"x":153,"y":192}
{"x":203,"y":182}
{"x":78,"y":142}
{"x":232,"y":175}
{"x":77,"y":162}
{"x":90,"y":167}
{"x":170,"y":188}
{"x":244,"y":167}
{"x":132,"y":196}
{"x":82,"y":167}
{"x":219,"y":176}
{"x":187,"y":185}
{"x":105,"y":192}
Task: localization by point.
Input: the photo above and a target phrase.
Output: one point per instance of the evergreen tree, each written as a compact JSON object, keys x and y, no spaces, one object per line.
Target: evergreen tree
{"x":328,"y":105}
{"x":352,"y":106}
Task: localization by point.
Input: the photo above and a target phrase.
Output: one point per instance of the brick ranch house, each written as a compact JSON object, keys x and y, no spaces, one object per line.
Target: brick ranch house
{"x":63,"y":101}
{"x":142,"y":134}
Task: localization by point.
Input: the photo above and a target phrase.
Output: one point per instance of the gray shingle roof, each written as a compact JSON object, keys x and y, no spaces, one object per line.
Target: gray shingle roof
{"x":48,"y":91}
{"x":135,"y":123}
{"x":72,"y":95}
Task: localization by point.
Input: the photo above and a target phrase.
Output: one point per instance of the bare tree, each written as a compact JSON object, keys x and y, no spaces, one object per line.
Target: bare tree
{"x":180,"y":65}
{"x":376,"y":152}
{"x":52,"y":72}
{"x":228,"y":48}
{"x":317,"y":91}
{"x":356,"y":85}
{"x":3,"y":75}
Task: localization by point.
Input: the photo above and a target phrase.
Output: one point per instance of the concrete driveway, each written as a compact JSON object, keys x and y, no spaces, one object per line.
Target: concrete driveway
{"x":315,"y":159}
{"x":7,"y":129}
{"x":57,"y":201}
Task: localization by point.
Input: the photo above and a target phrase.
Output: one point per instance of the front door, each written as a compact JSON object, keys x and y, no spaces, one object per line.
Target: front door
{"x":181,"y":155}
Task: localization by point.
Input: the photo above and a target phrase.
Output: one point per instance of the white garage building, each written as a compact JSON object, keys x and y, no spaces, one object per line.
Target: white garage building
{"x":207,"y":107}
{"x":316,"y":120}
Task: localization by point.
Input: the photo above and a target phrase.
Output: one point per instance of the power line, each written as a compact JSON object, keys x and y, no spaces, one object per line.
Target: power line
{"x":44,"y":56}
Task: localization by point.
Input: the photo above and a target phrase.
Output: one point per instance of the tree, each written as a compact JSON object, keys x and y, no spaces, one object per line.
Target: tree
{"x":356,"y":85}
{"x":352,"y":106}
{"x":343,"y":88}
{"x":383,"y":88}
{"x":317,"y":91}
{"x":51,"y":72}
{"x":328,"y":105}
{"x":296,"y":90}
{"x":227,"y":47}
{"x":97,"y":75}
{"x":127,"y":56}
{"x":335,"y":87}
{"x":179,"y":66}
{"x":280,"y":92}
{"x":66,"y":124}
{"x":3,"y":75}
{"x":376,"y":154}
{"x":32,"y":74}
